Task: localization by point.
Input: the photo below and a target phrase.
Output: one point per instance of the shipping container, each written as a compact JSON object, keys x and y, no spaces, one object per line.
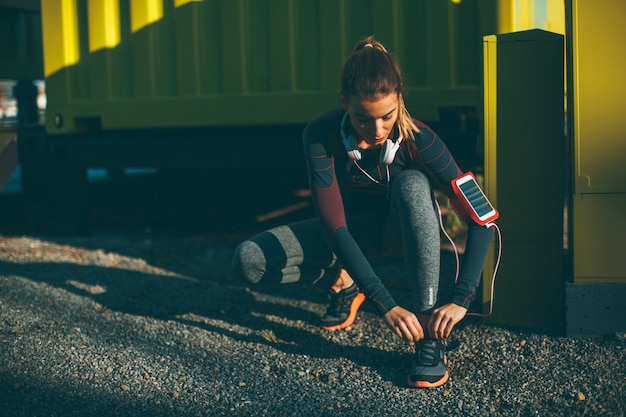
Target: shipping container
{"x":146,"y":64}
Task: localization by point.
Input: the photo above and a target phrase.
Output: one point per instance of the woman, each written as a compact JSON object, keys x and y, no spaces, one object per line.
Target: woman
{"x":371,"y":167}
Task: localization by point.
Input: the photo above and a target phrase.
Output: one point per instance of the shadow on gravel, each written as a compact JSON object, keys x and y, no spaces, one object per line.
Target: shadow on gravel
{"x":37,"y":398}
{"x":282,"y":320}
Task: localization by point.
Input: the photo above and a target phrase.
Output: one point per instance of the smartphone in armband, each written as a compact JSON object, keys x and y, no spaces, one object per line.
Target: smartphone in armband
{"x":470,"y":200}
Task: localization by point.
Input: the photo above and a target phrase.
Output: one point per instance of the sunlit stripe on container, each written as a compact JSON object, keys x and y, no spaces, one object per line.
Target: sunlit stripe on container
{"x":104,"y":26}
{"x":179,"y":3}
{"x":60,"y":39}
{"x":144,"y":13}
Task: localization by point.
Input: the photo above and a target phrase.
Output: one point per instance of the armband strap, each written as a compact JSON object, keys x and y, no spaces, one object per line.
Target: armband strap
{"x":459,"y":208}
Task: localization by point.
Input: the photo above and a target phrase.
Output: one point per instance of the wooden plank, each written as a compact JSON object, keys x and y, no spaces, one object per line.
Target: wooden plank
{"x":8,"y":156}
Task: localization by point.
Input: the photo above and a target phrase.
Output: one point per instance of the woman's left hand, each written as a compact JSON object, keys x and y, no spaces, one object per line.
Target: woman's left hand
{"x":443,"y":320}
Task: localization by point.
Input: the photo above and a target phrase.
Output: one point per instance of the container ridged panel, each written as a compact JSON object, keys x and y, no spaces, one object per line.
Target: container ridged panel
{"x":20,"y":45}
{"x":166,"y":63}
{"x":599,"y":141}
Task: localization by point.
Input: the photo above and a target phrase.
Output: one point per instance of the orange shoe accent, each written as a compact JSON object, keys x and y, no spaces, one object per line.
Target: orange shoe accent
{"x":354,"y":309}
{"x":425,"y":384}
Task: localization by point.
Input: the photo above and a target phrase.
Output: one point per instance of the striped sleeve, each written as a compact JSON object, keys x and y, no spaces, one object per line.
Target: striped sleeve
{"x":329,"y":207}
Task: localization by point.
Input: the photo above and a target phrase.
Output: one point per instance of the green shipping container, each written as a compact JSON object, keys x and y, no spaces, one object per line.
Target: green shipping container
{"x":144,"y":64}
{"x":21,"y":56}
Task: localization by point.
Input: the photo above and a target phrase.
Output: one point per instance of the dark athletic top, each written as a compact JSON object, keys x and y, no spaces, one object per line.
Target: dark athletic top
{"x":339,"y":187}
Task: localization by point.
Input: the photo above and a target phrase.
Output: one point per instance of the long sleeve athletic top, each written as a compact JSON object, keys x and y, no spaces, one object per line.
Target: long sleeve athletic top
{"x":339,"y":187}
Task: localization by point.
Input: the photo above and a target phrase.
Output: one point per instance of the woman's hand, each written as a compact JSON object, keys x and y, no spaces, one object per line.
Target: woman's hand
{"x":444,"y":319}
{"x":404,"y":324}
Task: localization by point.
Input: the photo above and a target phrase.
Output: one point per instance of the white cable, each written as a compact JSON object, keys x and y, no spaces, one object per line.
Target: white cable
{"x":495,"y":271}
{"x":456,"y":252}
{"x":458,"y":267}
{"x":372,"y":178}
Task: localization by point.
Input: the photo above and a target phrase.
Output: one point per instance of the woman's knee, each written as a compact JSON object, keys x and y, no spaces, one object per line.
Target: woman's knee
{"x":249,"y":261}
{"x":412,"y":183}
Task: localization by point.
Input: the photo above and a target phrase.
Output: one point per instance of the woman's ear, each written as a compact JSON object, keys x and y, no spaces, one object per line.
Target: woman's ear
{"x":342,"y":100}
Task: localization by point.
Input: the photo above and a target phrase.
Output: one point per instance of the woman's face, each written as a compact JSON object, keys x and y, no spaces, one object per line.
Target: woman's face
{"x":373,"y":120}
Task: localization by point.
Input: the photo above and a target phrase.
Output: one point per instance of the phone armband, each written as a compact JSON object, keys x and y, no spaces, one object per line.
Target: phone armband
{"x":470,"y":200}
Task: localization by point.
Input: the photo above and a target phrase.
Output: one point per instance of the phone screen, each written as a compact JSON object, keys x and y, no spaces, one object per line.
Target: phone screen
{"x":476,"y":198}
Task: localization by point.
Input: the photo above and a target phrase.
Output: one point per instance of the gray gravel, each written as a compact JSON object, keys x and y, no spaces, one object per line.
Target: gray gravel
{"x":114,"y":325}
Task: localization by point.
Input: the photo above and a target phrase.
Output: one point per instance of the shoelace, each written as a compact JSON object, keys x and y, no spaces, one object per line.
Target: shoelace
{"x":340,"y":302}
{"x":426,"y":352}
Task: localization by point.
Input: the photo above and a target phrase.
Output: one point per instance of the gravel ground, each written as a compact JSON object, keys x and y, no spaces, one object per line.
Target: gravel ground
{"x":122,"y":325}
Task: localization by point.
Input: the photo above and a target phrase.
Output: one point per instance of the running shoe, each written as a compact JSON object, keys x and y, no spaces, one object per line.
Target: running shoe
{"x":342,"y":308}
{"x":428,"y":369}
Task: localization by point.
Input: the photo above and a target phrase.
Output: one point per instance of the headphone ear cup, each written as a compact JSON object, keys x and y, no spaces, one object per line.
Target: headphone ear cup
{"x":351,"y":148}
{"x":388,"y":151}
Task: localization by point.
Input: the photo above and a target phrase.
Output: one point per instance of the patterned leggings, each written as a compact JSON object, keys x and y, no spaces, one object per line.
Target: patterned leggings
{"x":299,"y":252}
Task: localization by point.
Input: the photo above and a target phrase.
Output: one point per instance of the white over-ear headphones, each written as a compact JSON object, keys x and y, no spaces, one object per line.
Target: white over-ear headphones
{"x":387,"y":153}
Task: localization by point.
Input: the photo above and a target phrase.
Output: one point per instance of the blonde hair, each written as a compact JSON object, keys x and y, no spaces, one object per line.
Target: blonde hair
{"x":371,"y":72}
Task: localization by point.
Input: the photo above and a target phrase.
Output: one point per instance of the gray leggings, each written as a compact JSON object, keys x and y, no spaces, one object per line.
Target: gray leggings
{"x":299,"y":252}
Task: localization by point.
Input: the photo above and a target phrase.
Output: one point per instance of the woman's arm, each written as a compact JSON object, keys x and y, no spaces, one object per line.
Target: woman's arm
{"x":328,"y":204}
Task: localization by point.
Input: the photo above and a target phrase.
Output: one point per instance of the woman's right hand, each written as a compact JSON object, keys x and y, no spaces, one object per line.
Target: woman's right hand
{"x":404,"y":324}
